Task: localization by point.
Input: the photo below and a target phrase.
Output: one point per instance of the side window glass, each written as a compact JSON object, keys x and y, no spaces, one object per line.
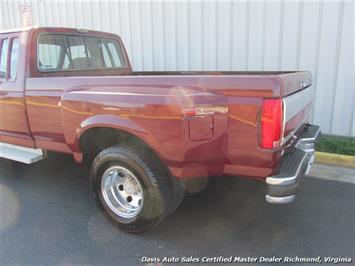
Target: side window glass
{"x":51,"y":48}
{"x":3,"y":58}
{"x":79,"y":55}
{"x":14,"y":57}
{"x":59,"y":52}
{"x":106,"y":56}
{"x":85,"y":52}
{"x":112,"y":54}
{"x":93,"y":48}
{"x":66,"y":63}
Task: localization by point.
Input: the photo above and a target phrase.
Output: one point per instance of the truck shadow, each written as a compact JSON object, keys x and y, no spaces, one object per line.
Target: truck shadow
{"x":230,"y":216}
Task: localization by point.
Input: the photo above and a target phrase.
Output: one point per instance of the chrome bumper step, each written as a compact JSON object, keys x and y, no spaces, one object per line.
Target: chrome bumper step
{"x":21,"y":154}
{"x":295,"y":163}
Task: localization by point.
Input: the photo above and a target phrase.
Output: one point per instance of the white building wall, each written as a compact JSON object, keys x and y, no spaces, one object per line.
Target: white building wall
{"x":226,"y":35}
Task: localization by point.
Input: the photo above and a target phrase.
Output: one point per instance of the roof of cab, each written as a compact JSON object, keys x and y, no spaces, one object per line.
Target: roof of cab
{"x":56,"y":29}
{"x":17,"y":30}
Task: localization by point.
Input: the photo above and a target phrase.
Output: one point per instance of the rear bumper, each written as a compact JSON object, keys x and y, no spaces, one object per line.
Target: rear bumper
{"x":295,"y":163}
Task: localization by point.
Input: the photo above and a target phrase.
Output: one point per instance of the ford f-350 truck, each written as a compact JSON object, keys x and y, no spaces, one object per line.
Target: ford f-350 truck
{"x":145,"y":133}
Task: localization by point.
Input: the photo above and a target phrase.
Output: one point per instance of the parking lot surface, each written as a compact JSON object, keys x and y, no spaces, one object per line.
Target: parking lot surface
{"x":48,"y":216}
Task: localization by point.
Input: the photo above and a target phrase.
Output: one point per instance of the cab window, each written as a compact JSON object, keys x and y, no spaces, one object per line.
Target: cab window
{"x":112,"y":55}
{"x":59,"y":52}
{"x":50,"y":50}
{"x":3,"y":58}
{"x":14,"y":58}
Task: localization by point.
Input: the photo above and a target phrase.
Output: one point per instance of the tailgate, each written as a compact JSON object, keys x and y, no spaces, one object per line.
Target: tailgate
{"x":293,"y":82}
{"x":297,"y":101}
{"x":297,"y":109}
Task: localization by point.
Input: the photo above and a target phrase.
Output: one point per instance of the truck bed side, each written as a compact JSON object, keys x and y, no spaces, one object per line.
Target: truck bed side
{"x":154,"y":109}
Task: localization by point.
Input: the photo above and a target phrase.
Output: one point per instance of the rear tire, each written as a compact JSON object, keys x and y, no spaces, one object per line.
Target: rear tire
{"x":178,"y":193}
{"x":134,"y":189}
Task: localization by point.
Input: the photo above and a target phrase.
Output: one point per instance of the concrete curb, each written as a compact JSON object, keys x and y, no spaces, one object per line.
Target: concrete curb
{"x":335,"y":159}
{"x":333,"y":173}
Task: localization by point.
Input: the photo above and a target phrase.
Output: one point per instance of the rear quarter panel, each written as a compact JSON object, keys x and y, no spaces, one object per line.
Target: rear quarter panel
{"x":245,"y":158}
{"x":154,"y":113}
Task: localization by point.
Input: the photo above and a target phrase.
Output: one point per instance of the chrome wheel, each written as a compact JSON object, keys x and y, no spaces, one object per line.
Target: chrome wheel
{"x":122,"y":192}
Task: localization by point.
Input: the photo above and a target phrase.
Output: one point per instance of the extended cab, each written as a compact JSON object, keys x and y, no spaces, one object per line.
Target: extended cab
{"x":145,"y":133}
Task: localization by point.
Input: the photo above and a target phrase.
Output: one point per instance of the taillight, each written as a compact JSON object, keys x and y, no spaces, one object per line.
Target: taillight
{"x":271,"y":123}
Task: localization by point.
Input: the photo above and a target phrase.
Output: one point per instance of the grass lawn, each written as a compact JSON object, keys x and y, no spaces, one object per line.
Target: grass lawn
{"x":337,"y":144}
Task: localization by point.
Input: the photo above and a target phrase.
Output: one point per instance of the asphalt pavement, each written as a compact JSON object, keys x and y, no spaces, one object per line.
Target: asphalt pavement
{"x":49,"y":216}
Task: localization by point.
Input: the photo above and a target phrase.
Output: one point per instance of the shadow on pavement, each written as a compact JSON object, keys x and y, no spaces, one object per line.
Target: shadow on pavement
{"x":48,"y":215}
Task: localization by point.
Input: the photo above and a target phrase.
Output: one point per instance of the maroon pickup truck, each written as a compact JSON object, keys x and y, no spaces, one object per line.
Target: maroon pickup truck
{"x":146,"y":135}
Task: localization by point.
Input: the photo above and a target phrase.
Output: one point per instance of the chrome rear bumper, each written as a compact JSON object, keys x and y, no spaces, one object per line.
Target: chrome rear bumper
{"x":296,"y":163}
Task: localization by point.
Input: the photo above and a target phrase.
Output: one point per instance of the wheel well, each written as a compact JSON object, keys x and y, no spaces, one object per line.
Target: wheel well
{"x":94,"y":140}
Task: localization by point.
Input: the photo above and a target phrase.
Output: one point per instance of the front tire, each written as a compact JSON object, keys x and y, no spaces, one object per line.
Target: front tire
{"x":134,"y":190}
